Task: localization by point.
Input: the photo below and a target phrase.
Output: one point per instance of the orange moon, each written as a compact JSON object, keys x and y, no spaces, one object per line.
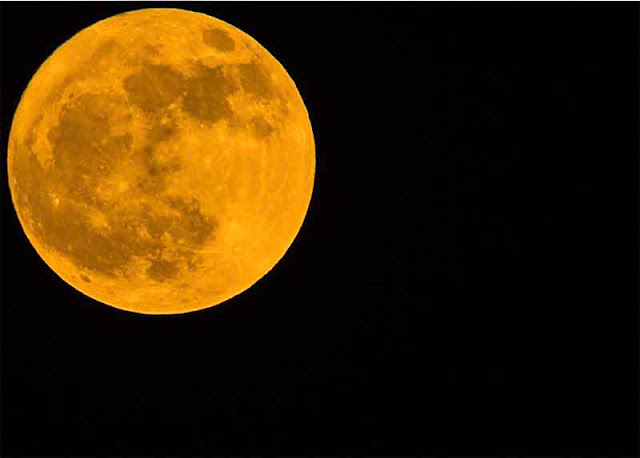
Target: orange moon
{"x":161,"y":161}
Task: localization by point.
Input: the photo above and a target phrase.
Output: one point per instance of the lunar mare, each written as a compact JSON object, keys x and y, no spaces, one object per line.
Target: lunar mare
{"x":161,"y":161}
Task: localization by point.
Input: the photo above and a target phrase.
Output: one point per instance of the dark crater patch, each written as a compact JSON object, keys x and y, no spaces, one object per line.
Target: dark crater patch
{"x":67,"y":228}
{"x":161,"y":170}
{"x":261,"y":128}
{"x":83,"y":149}
{"x":157,"y":171}
{"x":194,"y":262}
{"x":107,"y":251}
{"x":161,"y":269}
{"x":218,"y":39}
{"x":28,"y":175}
{"x":188,"y":228}
{"x":206,"y":95}
{"x":255,"y":80}
{"x":194,"y":227}
{"x":160,"y":132}
{"x":104,"y":53}
{"x":154,"y":87}
{"x":151,"y":50}
{"x":31,"y":138}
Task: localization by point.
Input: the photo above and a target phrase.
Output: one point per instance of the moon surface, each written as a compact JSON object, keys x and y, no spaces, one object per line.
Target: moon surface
{"x":161,"y":161}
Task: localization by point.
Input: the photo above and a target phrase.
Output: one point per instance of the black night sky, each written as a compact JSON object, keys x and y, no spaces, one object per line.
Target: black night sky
{"x":463,"y":282}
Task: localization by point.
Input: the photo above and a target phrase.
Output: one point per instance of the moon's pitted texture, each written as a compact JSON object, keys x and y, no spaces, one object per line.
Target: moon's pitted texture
{"x":161,"y":161}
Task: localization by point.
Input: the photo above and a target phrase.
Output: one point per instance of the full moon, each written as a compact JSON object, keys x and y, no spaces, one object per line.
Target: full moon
{"x":161,"y":161}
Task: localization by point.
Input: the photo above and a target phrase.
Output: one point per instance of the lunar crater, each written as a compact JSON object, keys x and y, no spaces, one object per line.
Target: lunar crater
{"x":154,"y":87}
{"x":218,"y":39}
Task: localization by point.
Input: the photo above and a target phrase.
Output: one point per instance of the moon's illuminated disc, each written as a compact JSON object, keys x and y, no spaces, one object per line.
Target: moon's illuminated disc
{"x":161,"y":161}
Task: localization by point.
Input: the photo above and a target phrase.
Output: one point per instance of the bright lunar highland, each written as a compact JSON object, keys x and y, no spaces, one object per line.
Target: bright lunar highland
{"x":161,"y":161}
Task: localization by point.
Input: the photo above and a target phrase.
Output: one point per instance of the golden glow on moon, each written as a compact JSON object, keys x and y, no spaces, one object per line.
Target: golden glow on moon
{"x":161,"y":161}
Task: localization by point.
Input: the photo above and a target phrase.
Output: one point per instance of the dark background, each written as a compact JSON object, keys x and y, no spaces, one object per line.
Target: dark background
{"x":463,"y":282}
